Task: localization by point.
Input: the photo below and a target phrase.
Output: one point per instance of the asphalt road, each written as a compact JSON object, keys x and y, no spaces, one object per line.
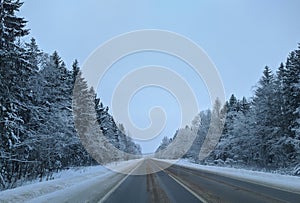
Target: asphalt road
{"x":182,"y":184}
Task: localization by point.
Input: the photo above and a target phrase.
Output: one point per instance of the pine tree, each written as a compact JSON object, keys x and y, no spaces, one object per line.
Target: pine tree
{"x":235,"y":136}
{"x":33,"y":55}
{"x":11,"y":26}
{"x":291,"y":92}
{"x":37,"y":132}
{"x":292,"y":85}
{"x":231,"y":108}
{"x":244,"y":105}
{"x":75,"y":70}
{"x":264,"y":112}
{"x":14,"y":93}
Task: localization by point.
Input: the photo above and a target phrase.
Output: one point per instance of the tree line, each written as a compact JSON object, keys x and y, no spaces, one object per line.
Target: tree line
{"x":261,"y":132}
{"x":37,"y":128}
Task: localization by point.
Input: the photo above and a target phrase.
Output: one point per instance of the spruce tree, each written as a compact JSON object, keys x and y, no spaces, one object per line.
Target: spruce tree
{"x":265,"y":112}
{"x":11,"y":26}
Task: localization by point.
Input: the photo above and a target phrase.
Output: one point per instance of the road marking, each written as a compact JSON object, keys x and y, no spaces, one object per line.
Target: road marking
{"x":183,"y":185}
{"x":188,"y":189}
{"x":228,"y":184}
{"x":117,"y":185}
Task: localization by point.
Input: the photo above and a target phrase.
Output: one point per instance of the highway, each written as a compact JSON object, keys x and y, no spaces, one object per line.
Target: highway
{"x":182,"y":184}
{"x":151,"y":180}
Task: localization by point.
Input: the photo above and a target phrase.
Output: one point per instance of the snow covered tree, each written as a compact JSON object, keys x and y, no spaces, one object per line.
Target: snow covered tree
{"x":37,"y":132}
{"x":266,"y":112}
{"x":215,"y":130}
{"x":178,"y":146}
{"x":164,"y":143}
{"x":121,"y":128}
{"x":291,"y":92}
{"x":114,"y":133}
{"x":291,"y":95}
{"x":236,"y":134}
{"x":11,"y":26}
{"x":15,"y":93}
{"x":33,"y":54}
{"x":244,"y":105}
{"x":196,"y":123}
{"x":232,"y":108}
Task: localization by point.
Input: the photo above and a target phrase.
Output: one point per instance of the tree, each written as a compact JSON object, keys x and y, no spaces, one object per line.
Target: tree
{"x":215,"y":130}
{"x":11,"y":26}
{"x":164,"y":143}
{"x":178,"y":146}
{"x":33,"y":54}
{"x":291,"y":87}
{"x":265,"y":112}
{"x":14,"y":93}
{"x":292,"y":95}
{"x":37,"y":132}
{"x":244,"y":105}
{"x":75,"y":71}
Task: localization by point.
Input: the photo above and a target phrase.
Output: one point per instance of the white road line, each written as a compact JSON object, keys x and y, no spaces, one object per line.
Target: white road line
{"x":117,"y":185}
{"x":184,"y":186}
{"x":188,"y":189}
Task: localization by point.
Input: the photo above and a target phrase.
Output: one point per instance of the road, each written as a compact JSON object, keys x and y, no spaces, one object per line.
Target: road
{"x":182,"y":184}
{"x":159,"y":181}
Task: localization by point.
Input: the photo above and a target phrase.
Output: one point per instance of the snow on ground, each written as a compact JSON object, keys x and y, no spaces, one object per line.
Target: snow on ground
{"x":89,"y":180}
{"x":283,"y":182}
{"x":65,"y":182}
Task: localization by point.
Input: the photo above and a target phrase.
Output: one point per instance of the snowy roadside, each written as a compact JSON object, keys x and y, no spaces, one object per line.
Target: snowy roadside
{"x":283,"y":182}
{"x":66,"y":183}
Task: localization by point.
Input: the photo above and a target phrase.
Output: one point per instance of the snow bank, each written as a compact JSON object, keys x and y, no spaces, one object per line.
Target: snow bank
{"x":65,"y":183}
{"x":283,"y":182}
{"x":63,"y":180}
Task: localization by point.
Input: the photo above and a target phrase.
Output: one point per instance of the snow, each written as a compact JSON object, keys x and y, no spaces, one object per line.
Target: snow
{"x":88,"y":182}
{"x":65,"y":183}
{"x":278,"y":181}
{"x":62,"y":180}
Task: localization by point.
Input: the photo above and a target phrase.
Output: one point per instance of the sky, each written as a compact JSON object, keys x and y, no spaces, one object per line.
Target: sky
{"x":240,"y":37}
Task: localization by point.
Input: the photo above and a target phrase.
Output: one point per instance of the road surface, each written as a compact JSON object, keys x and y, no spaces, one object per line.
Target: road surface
{"x":182,"y":184}
{"x":159,"y":182}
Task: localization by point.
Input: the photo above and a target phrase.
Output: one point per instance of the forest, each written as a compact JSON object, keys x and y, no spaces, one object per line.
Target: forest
{"x":42,"y":130}
{"x":262,"y":132}
{"x":37,"y":128}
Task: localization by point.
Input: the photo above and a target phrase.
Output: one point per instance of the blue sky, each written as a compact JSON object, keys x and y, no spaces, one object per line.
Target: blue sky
{"x":240,"y":37}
